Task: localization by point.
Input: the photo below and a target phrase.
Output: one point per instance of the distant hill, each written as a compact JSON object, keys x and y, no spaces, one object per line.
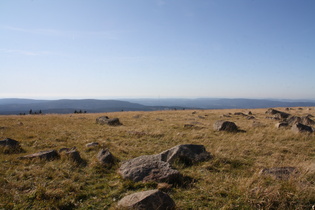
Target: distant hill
{"x":17,"y":106}
{"x":64,"y":106}
{"x":223,"y":103}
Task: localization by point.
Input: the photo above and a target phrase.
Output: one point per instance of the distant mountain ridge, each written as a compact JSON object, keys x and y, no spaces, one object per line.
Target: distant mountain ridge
{"x":64,"y":106}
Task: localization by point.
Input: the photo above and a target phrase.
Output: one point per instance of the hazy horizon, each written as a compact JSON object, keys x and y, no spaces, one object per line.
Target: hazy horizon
{"x":157,"y":49}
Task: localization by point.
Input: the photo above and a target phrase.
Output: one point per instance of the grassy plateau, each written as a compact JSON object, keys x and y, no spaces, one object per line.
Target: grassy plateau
{"x":230,"y":180}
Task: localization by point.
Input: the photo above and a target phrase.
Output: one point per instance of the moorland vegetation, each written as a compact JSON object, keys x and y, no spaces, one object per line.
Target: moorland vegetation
{"x":234,"y":178}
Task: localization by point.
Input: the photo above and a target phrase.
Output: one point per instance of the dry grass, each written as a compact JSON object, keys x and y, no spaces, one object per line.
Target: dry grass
{"x":231,"y":180}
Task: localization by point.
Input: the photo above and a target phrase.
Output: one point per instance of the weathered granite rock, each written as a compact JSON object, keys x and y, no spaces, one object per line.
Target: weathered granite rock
{"x":282,"y":173}
{"x":185,"y":153}
{"x":148,"y":168}
{"x":105,"y":157}
{"x":105,"y":120}
{"x":278,"y":114}
{"x":158,"y":167}
{"x":43,"y":155}
{"x":301,"y":128}
{"x":74,"y":156}
{"x":222,"y":125}
{"x":147,"y":200}
{"x":282,"y":125}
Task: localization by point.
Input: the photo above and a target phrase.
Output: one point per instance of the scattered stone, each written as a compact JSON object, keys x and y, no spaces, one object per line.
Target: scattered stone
{"x":158,"y":167}
{"x":92,"y":144}
{"x":64,"y":149}
{"x":278,"y":114}
{"x":282,"y":125}
{"x":151,"y":199}
{"x":10,"y":146}
{"x":185,"y":153}
{"x":74,"y":156}
{"x":222,"y":125}
{"x":249,"y":113}
{"x":281,"y":173}
{"x":301,"y":128}
{"x":105,"y":157}
{"x":250,"y":118}
{"x":105,"y":120}
{"x":148,"y":168}
{"x":240,"y":113}
{"x":43,"y":155}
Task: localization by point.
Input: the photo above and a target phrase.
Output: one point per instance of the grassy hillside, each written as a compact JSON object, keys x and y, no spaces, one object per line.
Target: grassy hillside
{"x":231,"y":180}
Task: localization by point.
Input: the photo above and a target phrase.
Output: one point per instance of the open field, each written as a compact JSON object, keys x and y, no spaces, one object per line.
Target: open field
{"x":230,"y":180}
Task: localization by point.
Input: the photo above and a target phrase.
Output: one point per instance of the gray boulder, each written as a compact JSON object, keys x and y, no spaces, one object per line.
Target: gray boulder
{"x":222,"y":125}
{"x":282,"y":125}
{"x":278,"y":114}
{"x":43,"y":155}
{"x":185,"y":153}
{"x":301,"y":128}
{"x":107,"y":121}
{"x":151,"y":199}
{"x":105,"y":157}
{"x":158,"y":167}
{"x":148,"y":168}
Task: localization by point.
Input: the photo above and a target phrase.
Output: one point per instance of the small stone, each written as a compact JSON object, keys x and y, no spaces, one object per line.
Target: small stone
{"x":151,"y":199}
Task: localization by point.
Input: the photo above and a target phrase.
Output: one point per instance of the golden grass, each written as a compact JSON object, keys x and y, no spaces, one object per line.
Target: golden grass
{"x":231,"y":180}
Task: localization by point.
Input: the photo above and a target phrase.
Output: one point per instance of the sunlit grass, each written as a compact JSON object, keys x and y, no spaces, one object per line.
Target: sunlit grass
{"x":231,"y":180}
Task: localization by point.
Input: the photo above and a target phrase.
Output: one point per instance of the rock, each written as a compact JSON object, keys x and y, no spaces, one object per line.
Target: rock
{"x":300,"y":128}
{"x":92,"y":144}
{"x":151,"y":199}
{"x":306,"y":120}
{"x":282,"y":125}
{"x":293,"y":120}
{"x":158,"y":167}
{"x":65,"y":149}
{"x":222,"y":125}
{"x":148,"y":168}
{"x":278,"y":114}
{"x":105,"y":157}
{"x":250,"y":118}
{"x":105,"y":120}
{"x":10,"y":146}
{"x":282,"y":173}
{"x":9,"y":143}
{"x":240,"y":113}
{"x":74,"y":156}
{"x":43,"y":155}
{"x":185,"y":153}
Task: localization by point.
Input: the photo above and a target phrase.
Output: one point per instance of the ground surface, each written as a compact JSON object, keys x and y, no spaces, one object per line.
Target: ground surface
{"x":231,"y":180}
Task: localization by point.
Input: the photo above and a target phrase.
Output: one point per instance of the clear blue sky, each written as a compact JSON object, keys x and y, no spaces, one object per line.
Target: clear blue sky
{"x":54,"y":49}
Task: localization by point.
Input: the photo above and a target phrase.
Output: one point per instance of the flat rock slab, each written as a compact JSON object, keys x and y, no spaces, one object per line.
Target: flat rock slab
{"x":151,"y":199}
{"x":43,"y":155}
{"x":158,"y":167}
{"x":282,"y":173}
{"x":148,"y":168}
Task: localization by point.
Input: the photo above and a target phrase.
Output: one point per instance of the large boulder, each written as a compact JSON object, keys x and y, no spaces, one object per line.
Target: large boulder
{"x":104,"y":120}
{"x":185,"y":153}
{"x":148,"y":168}
{"x":158,"y":167}
{"x":301,"y":128}
{"x":278,"y":114}
{"x":151,"y":199}
{"x":222,"y":125}
{"x":43,"y":155}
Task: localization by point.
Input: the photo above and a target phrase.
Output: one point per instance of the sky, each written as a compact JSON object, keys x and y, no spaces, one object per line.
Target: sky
{"x":109,"y":49}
